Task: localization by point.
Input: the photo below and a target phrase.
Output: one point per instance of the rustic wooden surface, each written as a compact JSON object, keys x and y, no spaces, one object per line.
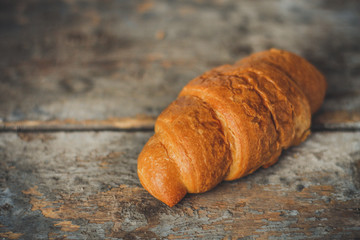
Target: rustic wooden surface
{"x":81,"y":83}
{"x":83,"y":60}
{"x":83,"y":185}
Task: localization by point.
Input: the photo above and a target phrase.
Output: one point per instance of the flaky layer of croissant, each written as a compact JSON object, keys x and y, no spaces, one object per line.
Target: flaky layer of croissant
{"x":229,"y":122}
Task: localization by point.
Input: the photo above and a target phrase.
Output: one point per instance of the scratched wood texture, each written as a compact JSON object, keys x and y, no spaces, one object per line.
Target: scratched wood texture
{"x":71,"y":69}
{"x":84,"y":185}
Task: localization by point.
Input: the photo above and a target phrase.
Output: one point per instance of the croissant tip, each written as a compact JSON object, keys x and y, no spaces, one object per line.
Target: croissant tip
{"x":170,"y":195}
{"x":159,"y":175}
{"x":173,"y":200}
{"x":170,"y":204}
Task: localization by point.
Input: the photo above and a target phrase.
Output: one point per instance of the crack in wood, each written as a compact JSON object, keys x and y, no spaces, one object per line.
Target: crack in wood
{"x":138,"y":123}
{"x":323,"y":121}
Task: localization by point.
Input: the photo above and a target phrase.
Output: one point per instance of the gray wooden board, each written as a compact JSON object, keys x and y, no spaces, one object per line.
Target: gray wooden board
{"x":85,"y":186}
{"x":102,"y":59}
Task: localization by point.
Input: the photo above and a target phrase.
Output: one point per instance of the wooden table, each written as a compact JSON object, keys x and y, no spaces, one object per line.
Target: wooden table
{"x":81,"y":83}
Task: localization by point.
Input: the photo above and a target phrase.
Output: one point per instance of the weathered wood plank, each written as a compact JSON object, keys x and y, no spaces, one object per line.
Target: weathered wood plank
{"x":99,"y":60}
{"x":84,"y":185}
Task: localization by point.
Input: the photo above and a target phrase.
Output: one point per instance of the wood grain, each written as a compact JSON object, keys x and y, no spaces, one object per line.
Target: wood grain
{"x":94,"y":61}
{"x":84,"y":185}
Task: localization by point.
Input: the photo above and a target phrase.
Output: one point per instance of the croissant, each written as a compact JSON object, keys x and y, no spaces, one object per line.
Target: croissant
{"x":229,"y":122}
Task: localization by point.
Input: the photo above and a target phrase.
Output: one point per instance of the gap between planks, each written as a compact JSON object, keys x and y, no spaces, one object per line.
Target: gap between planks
{"x":326,"y":121}
{"x":138,"y":123}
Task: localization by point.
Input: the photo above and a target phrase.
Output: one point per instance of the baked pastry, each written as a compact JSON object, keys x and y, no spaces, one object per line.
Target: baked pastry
{"x":229,"y":122}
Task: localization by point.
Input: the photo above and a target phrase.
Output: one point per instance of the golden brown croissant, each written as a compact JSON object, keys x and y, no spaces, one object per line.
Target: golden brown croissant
{"x":229,"y":122}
